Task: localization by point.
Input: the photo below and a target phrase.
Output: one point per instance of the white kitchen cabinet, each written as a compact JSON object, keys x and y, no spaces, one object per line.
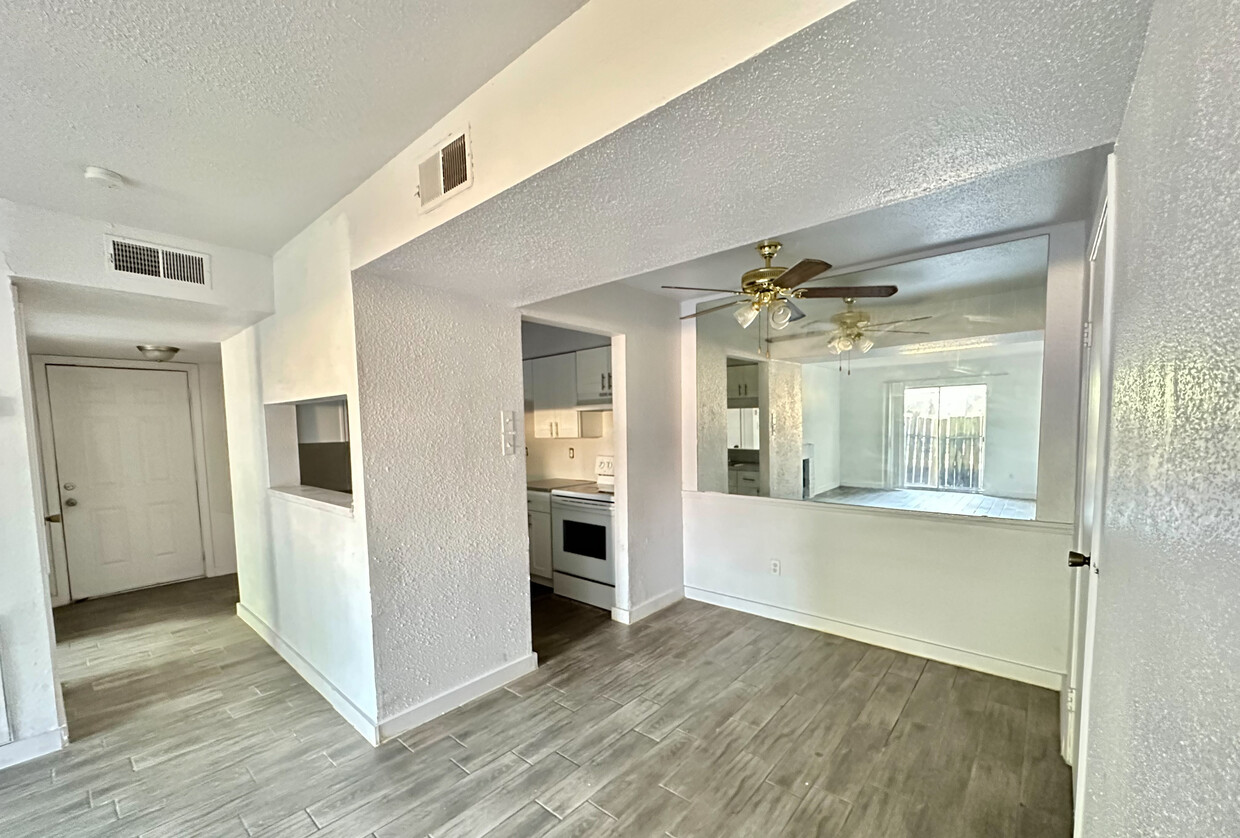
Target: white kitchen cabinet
{"x":743,"y":481}
{"x":554,"y":391}
{"x":538,"y":510}
{"x":594,"y":376}
{"x":743,"y":381}
{"x":540,"y":544}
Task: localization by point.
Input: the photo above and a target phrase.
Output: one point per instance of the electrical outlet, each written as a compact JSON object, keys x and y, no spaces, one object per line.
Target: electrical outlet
{"x":775,"y":568}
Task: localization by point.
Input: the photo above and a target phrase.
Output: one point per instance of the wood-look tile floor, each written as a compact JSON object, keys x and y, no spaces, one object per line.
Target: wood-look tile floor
{"x":697,"y":721}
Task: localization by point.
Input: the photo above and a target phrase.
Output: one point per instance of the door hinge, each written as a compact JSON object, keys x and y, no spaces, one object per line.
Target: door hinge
{"x":1071,"y":699}
{"x":1087,"y":334}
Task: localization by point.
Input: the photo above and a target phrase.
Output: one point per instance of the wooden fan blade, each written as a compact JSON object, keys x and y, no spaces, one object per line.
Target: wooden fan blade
{"x":709,"y":310}
{"x":802,"y":271}
{"x":803,"y":336}
{"x":847,"y":291}
{"x":898,"y":322}
{"x":691,"y":288}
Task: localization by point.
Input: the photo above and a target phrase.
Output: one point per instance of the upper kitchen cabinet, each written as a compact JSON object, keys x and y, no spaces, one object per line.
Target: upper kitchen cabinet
{"x":594,"y":376}
{"x":552,"y":382}
{"x":743,"y":381}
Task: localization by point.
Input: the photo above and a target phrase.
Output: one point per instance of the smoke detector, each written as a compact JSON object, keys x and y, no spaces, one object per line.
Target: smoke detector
{"x":104,"y":177}
{"x":158,"y":353}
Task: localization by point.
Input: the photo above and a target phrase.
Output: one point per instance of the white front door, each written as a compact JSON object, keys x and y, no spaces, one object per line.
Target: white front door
{"x":1095,"y":409}
{"x":125,"y":466}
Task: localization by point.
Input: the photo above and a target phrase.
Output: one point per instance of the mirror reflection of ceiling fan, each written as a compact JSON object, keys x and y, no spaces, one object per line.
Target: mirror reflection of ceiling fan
{"x":772,"y":289}
{"x":852,"y":329}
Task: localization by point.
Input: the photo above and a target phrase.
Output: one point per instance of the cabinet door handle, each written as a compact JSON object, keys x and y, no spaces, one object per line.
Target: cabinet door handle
{"x":602,"y":381}
{"x":608,"y":382}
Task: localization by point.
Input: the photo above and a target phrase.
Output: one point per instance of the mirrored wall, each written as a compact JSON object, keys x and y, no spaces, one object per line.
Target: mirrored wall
{"x":927,"y":400}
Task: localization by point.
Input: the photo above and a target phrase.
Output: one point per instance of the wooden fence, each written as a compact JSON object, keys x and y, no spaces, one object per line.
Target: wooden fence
{"x":944,"y":453}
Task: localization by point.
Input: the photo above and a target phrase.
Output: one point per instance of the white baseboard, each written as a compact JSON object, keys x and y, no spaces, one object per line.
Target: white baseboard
{"x":628,"y":616}
{"x":354,"y":715}
{"x":420,"y":714}
{"x":32,"y":747}
{"x":1037,"y":676}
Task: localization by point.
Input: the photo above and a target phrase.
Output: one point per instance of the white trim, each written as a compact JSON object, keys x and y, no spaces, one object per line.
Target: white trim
{"x":338,"y":503}
{"x":47,"y":449}
{"x":628,"y":616}
{"x":352,"y":714}
{"x":420,"y":714}
{"x":881,"y":512}
{"x":32,"y":747}
{"x":901,"y":643}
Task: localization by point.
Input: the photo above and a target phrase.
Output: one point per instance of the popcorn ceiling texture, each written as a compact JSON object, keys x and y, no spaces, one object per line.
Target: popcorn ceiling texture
{"x":449,"y":571}
{"x":882,"y":101}
{"x":1164,"y":747}
{"x":242,"y":120}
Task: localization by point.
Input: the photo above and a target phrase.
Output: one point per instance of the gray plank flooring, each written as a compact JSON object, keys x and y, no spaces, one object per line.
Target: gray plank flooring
{"x":926,"y":500}
{"x":697,"y":721}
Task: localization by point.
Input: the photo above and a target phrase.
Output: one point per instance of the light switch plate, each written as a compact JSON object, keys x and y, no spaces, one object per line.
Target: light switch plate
{"x":508,"y":432}
{"x":605,"y":465}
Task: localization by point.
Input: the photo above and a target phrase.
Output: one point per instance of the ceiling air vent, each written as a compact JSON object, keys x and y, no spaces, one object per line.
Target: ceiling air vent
{"x":133,"y":257}
{"x":448,"y":170}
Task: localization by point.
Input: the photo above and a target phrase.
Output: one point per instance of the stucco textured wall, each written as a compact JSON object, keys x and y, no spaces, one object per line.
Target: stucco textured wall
{"x":851,"y":113}
{"x":449,"y":570}
{"x":1165,"y":738}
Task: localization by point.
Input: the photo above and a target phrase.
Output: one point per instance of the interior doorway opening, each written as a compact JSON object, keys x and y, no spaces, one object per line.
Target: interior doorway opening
{"x":570,"y":453}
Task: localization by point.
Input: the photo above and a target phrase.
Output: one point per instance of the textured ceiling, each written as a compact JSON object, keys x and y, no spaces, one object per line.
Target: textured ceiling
{"x":880,"y":102}
{"x":1037,"y":195}
{"x":240,"y":121}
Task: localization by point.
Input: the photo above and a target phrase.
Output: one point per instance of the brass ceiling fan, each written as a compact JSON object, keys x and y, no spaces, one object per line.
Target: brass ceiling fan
{"x":852,"y":329}
{"x":773,"y":289}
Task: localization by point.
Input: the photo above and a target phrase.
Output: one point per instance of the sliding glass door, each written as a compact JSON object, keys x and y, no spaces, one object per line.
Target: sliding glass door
{"x":944,"y":442}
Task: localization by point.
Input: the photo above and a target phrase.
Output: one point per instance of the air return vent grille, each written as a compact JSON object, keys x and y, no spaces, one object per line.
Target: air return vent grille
{"x":134,"y":257}
{"x":446,"y":171}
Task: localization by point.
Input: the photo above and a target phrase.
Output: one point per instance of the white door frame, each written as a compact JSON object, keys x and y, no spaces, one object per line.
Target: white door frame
{"x":1085,"y":587}
{"x":59,"y":573}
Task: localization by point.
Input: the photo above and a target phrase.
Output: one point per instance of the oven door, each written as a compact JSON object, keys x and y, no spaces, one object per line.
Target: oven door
{"x":581,"y":539}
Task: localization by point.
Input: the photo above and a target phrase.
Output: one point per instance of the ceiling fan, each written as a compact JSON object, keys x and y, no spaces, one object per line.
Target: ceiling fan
{"x":853,"y":329}
{"x":773,"y":289}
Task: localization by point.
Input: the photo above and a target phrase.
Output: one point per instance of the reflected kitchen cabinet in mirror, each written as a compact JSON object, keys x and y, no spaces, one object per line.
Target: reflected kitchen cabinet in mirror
{"x":928,"y":399}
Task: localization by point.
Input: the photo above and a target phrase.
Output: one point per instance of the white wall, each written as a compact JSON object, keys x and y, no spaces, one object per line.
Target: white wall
{"x":219,"y":483}
{"x":26,"y":639}
{"x":917,"y":583}
{"x":42,"y":244}
{"x":1163,"y":735}
{"x":646,"y":377}
{"x":303,"y":570}
{"x":1013,"y":382}
{"x":820,"y":424}
{"x":1018,"y":566}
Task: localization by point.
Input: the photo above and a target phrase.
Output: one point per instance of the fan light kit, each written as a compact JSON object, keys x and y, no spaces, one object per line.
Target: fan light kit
{"x":772,"y":289}
{"x":158,"y":353}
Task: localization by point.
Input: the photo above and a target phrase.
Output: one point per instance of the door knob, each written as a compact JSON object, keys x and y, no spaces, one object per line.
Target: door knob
{"x":1076,"y":559}
{"x":70,"y":501}
{"x":69,"y":487}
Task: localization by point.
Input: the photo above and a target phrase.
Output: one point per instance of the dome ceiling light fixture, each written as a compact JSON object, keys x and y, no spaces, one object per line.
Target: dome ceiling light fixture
{"x":103,"y":177}
{"x":151,"y":352}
